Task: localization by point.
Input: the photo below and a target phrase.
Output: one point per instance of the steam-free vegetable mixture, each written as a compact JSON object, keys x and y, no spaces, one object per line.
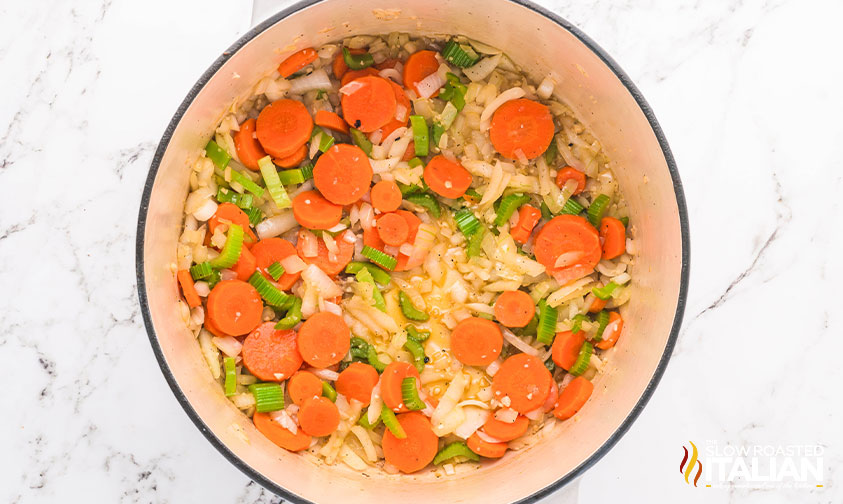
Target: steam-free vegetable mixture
{"x":401,"y":253}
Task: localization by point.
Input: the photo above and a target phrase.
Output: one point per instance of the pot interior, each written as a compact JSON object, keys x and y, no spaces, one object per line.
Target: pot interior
{"x":587,"y":84}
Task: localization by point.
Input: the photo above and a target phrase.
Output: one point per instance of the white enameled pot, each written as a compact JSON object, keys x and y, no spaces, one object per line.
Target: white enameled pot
{"x":604,"y":98}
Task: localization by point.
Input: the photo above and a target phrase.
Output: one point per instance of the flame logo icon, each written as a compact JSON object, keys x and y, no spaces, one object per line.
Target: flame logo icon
{"x":687,"y":470}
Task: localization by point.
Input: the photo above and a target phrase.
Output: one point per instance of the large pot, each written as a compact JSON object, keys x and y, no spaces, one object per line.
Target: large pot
{"x":607,"y":101}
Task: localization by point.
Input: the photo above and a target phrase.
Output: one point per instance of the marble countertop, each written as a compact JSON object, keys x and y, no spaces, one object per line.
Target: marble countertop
{"x":748,"y":93}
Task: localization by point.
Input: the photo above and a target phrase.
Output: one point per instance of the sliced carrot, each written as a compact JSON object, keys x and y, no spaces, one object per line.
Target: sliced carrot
{"x":370,"y":105}
{"x":514,"y":308}
{"x":213,"y":329}
{"x":272,"y":250}
{"x":297,"y":61}
{"x":550,"y":402}
{"x":402,"y":101}
{"x":281,"y":435}
{"x":293,"y":159}
{"x":324,"y":339}
{"x":521,"y":125}
{"x":410,"y":153}
{"x":339,"y":67}
{"x":572,"y":398}
{"x":357,"y":381}
{"x":417,"y":449}
{"x":391,"y":379}
{"x":330,"y":265}
{"x":343,"y":174}
{"x":283,"y":127}
{"x":356,"y":74}
{"x":506,"y":431}
{"x":187,"y":288}
{"x":485,"y":448}
{"x":569,"y":173}
{"x":393,"y":229}
{"x":235,"y":307}
{"x":571,"y":235}
{"x":597,"y":305}
{"x":613,"y":237}
{"x":524,"y":380}
{"x":229,"y":212}
{"x":373,"y":239}
{"x":246,"y":265}
{"x":418,"y":66}
{"x":446,"y":178}
{"x":303,"y":385}
{"x":330,"y":120}
{"x":271,"y":354}
{"x":313,"y":211}
{"x":248,"y":148}
{"x":476,"y":341}
{"x":318,"y":416}
{"x":566,"y":348}
{"x":386,"y":196}
{"x":610,"y":337}
{"x":388,"y":63}
{"x":413,"y":222}
{"x":528,"y":217}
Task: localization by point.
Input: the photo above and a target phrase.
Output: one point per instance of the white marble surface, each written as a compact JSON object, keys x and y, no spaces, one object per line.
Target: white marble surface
{"x":748,"y":93}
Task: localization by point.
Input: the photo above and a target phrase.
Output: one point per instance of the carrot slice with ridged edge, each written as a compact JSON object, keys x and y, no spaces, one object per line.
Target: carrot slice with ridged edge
{"x":297,"y":61}
{"x":303,"y":385}
{"x":610,"y":337}
{"x":235,"y":307}
{"x":313,"y":211}
{"x":485,"y":448}
{"x":417,"y":449}
{"x":566,"y":348}
{"x":271,"y":354}
{"x":386,"y":196}
{"x":324,"y":339}
{"x":357,"y":381}
{"x":280,"y":435}
{"x":419,"y":65}
{"x":569,"y":173}
{"x":283,"y":127}
{"x":446,"y":178}
{"x":523,"y":125}
{"x":613,"y":237}
{"x":476,"y":341}
{"x":248,"y":148}
{"x":568,"y":234}
{"x":272,"y":250}
{"x":330,"y":120}
{"x":572,"y":398}
{"x":391,"y":379}
{"x":318,"y":416}
{"x":393,"y":229}
{"x":506,"y":431}
{"x":330,"y":265}
{"x":370,"y":104}
{"x":514,"y":308}
{"x":343,"y":174}
{"x":524,"y":380}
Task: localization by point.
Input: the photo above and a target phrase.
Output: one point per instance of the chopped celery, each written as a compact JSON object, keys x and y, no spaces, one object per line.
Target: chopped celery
{"x":382,"y":277}
{"x":550,"y":153}
{"x":546,"y":330}
{"x":255,"y":215}
{"x":414,"y":334}
{"x":597,"y":208}
{"x":271,"y":294}
{"x":329,"y":392}
{"x":364,"y":276}
{"x":382,"y":259}
{"x":453,"y":450}
{"x":467,"y":222}
{"x":421,"y":139}
{"x":307,"y":171}
{"x":624,"y":221}
{"x":364,"y":420}
{"x":290,"y":177}
{"x":509,"y":204}
{"x":201,"y":271}
{"x":273,"y":183}
{"x":359,"y":139}
{"x":417,"y":351}
{"x":268,"y":396}
{"x":230,"y":253}
{"x":426,"y":201}
{"x":217,"y":154}
{"x":247,"y":183}
{"x":602,"y":322}
{"x":605,"y":292}
{"x":410,"y":395}
{"x":325,"y":142}
{"x":546,"y":213}
{"x":230,"y":376}
{"x":577,"y":322}
{"x":244,"y":201}
{"x":357,"y":61}
{"x":374,"y":361}
{"x":410,"y":311}
{"x":391,"y":423}
{"x":275,"y":270}
{"x":571,"y":207}
{"x":474,"y":246}
{"x":415,"y":162}
{"x":292,"y":318}
{"x":461,"y":55}
{"x":583,"y":358}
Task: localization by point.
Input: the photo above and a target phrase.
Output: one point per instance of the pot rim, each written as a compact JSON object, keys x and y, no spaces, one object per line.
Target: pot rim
{"x":683,"y":225}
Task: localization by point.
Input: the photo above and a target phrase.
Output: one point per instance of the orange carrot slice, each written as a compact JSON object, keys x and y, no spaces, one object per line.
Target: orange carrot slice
{"x":370,"y":105}
{"x":391,"y":379}
{"x":313,"y":211}
{"x":357,"y":381}
{"x":528,"y":217}
{"x":572,"y":235}
{"x":514,"y":308}
{"x":235,"y":307}
{"x":246,"y":265}
{"x":330,"y":120}
{"x":417,"y":449}
{"x":330,"y":265}
{"x":393,"y":229}
{"x":297,"y":61}
{"x":324,"y":339}
{"x":566,"y":348}
{"x":293,"y":159}
{"x":524,"y":380}
{"x":188,"y":289}
{"x":485,"y":448}
{"x":231,"y":213}
{"x":521,"y":125}
{"x":356,"y":74}
{"x":343,"y":174}
{"x":401,"y":100}
{"x":418,"y":66}
{"x":386,"y":196}
{"x":476,"y":341}
{"x":280,"y":435}
{"x":568,"y":173}
{"x":339,"y":67}
{"x":597,"y":305}
{"x":318,"y":416}
{"x":446,"y":178}
{"x":613,"y":237}
{"x":283,"y":127}
{"x":610,"y":337}
{"x":303,"y":385}
{"x":271,"y":354}
{"x":272,"y":250}
{"x":248,"y":148}
{"x":506,"y":431}
{"x":572,"y":398}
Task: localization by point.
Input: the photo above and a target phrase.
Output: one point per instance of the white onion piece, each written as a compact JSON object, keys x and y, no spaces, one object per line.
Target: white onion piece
{"x":519,"y":155}
{"x":568,"y":259}
{"x":206,"y":211}
{"x":535,"y":414}
{"x":351,"y":87}
{"x":425,"y":237}
{"x":367,"y":216}
{"x":391,"y":250}
{"x":277,"y":225}
{"x":322,"y":282}
{"x":283,"y":419}
{"x":293,"y":264}
{"x":545,"y":89}
{"x":375,"y":404}
{"x":331,"y":245}
{"x":339,"y":227}
{"x":197,"y":315}
{"x":493,"y":368}
{"x":622,"y":278}
{"x":400,"y":112}
{"x":400,"y":146}
{"x":473,"y":402}
{"x":550,"y":402}
{"x":227,"y":274}
{"x":474,"y":419}
{"x":228,"y":345}
{"x":314,"y":145}
{"x":317,"y":79}
{"x":430,"y":84}
{"x":487,"y":438}
{"x":202,"y":288}
{"x":518,"y":343}
{"x":506,"y":415}
{"x":392,"y":138}
{"x":482,"y":68}
{"x":406,"y":249}
{"x":376,"y":136}
{"x":611,"y":327}
{"x":509,"y":94}
{"x":448,"y":402}
{"x":391,"y":73}
{"x":349,"y":237}
{"x":309,"y":243}
{"x":325,"y":374}
{"x":331,"y":307}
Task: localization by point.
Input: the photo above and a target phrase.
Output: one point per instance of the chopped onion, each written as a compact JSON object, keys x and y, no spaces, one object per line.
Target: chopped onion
{"x":391,"y":73}
{"x":317,"y":79}
{"x":482,"y":68}
{"x":309,"y":243}
{"x":535,"y":414}
{"x":351,"y":88}
{"x":202,"y":288}
{"x":375,"y":404}
{"x":545,"y":89}
{"x":331,"y":307}
{"x":506,"y":415}
{"x":430,"y":84}
{"x":395,"y":135}
{"x":568,"y":259}
{"x":324,"y":285}
{"x":473,"y":402}
{"x":518,"y":343}
{"x":425,"y":237}
{"x":406,"y":249}
{"x":475,"y":417}
{"x":367,"y":216}
{"x":622,"y":278}
{"x":339,"y":227}
{"x":493,"y":368}
{"x":400,"y":113}
{"x":276,"y":225}
{"x":197,"y":315}
{"x":487,"y":438}
{"x":325,"y":374}
{"x":510,"y":94}
{"x":399,"y":147}
{"x":206,"y":211}
{"x":293,"y":264}
{"x":227,"y":274}
{"x":519,"y":155}
{"x":228,"y":345}
{"x":283,"y":419}
{"x":349,"y":237}
{"x":331,"y":245}
{"x":448,"y":402}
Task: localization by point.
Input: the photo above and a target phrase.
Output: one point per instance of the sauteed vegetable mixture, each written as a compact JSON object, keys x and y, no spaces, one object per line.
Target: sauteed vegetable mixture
{"x":401,"y":252}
